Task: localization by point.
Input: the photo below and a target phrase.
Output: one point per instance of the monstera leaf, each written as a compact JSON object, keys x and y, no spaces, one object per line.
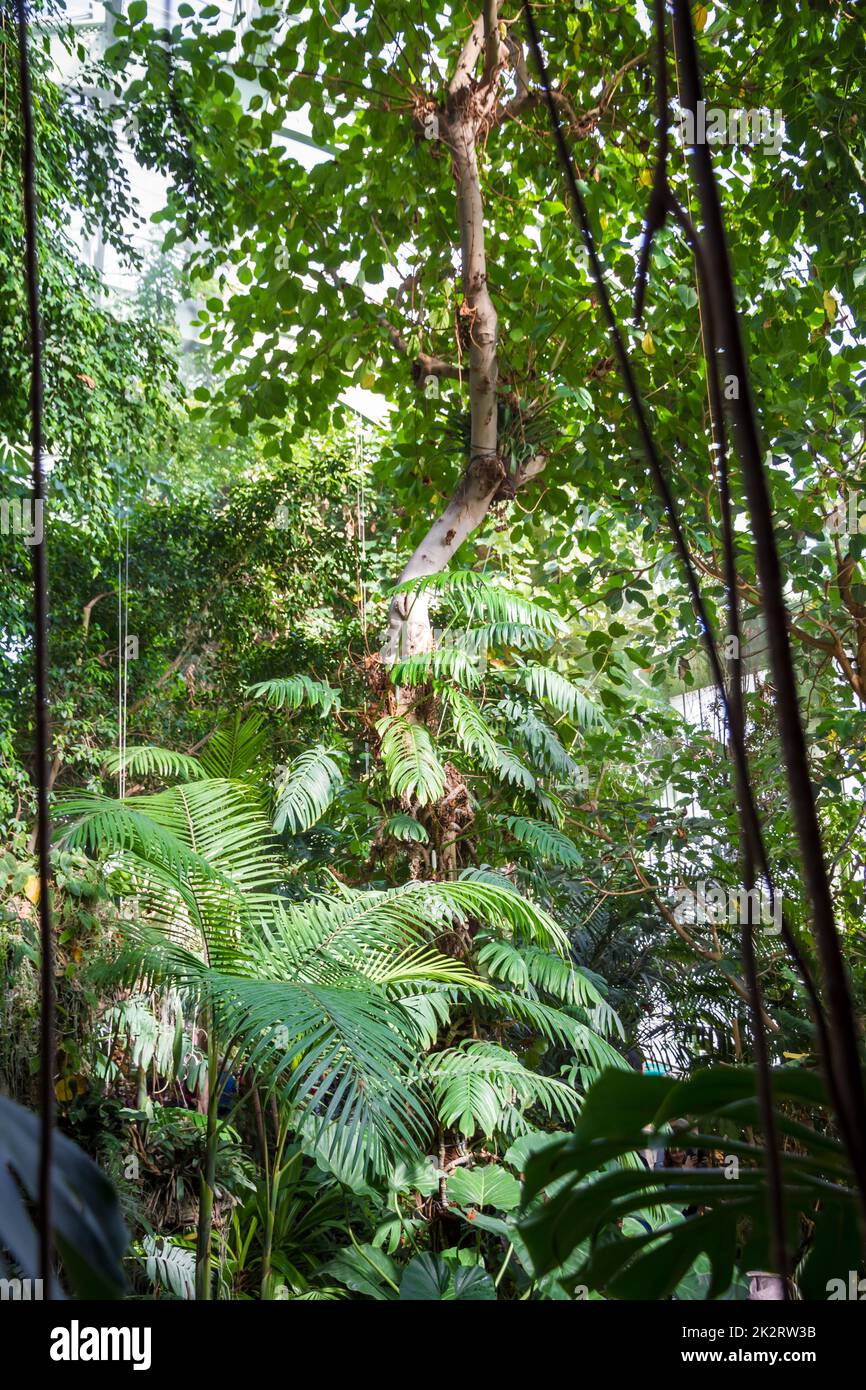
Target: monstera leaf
{"x":593,"y":1197}
{"x":88,"y":1230}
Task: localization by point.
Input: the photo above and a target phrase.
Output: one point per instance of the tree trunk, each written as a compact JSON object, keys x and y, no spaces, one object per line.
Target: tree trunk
{"x":469,"y":108}
{"x":207,"y":1182}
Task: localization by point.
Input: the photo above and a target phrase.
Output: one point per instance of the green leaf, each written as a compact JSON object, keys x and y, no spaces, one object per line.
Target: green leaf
{"x":306,"y":790}
{"x":428,"y":1278}
{"x":484,"y":1186}
{"x":410,"y":760}
{"x":365,"y":1270}
{"x":87,"y":1223}
{"x":546,"y":684}
{"x":545,"y":840}
{"x":295,"y":691}
{"x":404,"y":827}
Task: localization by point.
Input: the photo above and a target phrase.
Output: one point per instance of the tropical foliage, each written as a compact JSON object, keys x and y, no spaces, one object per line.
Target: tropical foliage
{"x":397,"y":872}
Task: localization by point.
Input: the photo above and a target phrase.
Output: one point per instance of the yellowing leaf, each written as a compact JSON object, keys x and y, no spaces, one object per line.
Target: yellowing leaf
{"x":31,"y":889}
{"x":69,"y":1086}
{"x":368,"y":381}
{"x":576,"y":45}
{"x":701,"y":18}
{"x":830,"y":305}
{"x":646,"y":178}
{"x":647,"y":344}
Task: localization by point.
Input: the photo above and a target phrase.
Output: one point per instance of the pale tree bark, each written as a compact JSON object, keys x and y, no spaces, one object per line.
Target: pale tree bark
{"x":469,"y":110}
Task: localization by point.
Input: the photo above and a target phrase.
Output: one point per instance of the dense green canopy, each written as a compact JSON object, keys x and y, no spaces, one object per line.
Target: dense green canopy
{"x":411,"y":808}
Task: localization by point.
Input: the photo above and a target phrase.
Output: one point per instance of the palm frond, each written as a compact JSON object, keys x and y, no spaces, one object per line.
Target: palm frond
{"x":333,"y":1053}
{"x":233,"y":750}
{"x":220,"y":821}
{"x":169,"y":1266}
{"x":144,"y":760}
{"x":545,"y":840}
{"x":97,"y":823}
{"x":509,"y":768}
{"x":563,"y":979}
{"x":480,"y":1086}
{"x":421,"y":964}
{"x":294,"y":691}
{"x":470,"y":727}
{"x":550,"y":805}
{"x":543,"y":744}
{"x":532,"y":967}
{"x":338,"y":1049}
{"x":407,"y":828}
{"x":503,"y":907}
{"x":543,"y":683}
{"x":481,"y":596}
{"x":450,"y":663}
{"x":308,"y":940}
{"x":520,"y":636}
{"x":503,"y":961}
{"x":558,"y":1027}
{"x":199,"y":858}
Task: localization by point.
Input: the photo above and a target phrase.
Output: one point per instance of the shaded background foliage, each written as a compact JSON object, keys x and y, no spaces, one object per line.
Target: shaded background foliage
{"x":234,"y":475}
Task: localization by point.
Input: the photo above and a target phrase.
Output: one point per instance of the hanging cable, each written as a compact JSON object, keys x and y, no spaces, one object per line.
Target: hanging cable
{"x":362,"y":529}
{"x":119,"y":666}
{"x":361,"y":564}
{"x":125,"y":653}
{"x":40,"y":663}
